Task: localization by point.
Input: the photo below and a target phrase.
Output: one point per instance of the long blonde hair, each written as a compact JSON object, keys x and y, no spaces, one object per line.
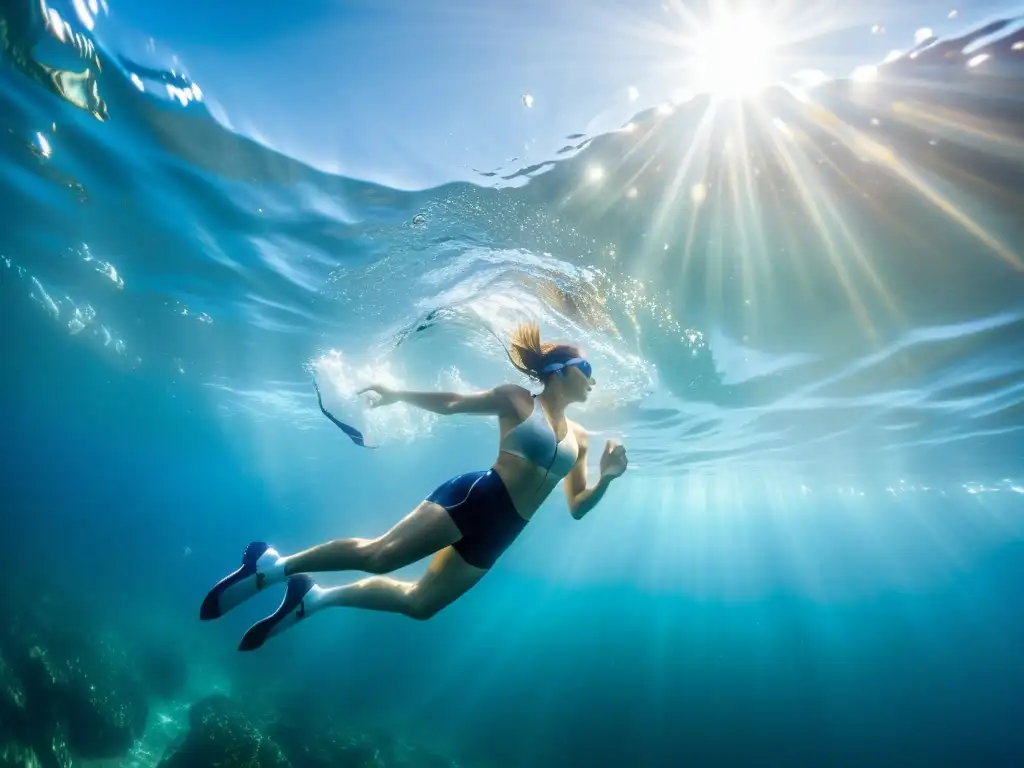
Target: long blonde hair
{"x":529,"y":354}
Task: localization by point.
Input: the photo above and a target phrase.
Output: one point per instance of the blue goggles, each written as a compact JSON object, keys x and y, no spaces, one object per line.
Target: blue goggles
{"x":577,"y":362}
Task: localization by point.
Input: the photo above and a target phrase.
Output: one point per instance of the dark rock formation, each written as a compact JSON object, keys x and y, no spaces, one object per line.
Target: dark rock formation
{"x":64,"y":692}
{"x":221,"y":734}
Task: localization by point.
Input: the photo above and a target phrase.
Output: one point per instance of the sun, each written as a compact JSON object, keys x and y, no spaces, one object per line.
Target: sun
{"x":733,"y":56}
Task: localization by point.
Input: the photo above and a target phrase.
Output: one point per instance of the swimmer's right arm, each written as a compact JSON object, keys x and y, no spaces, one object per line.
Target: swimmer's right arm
{"x":497,"y":401}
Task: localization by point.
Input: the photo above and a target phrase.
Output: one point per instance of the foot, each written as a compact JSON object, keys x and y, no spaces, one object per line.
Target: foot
{"x":261,"y":568}
{"x":299,"y":601}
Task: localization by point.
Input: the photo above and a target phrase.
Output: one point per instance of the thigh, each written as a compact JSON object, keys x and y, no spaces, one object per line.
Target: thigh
{"x":448,"y":577}
{"x":424,"y":531}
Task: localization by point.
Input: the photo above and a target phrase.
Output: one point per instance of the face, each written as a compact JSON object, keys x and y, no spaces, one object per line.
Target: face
{"x":578,"y":381}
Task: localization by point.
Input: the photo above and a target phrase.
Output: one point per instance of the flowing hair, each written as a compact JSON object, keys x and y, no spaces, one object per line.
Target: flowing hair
{"x":529,"y":354}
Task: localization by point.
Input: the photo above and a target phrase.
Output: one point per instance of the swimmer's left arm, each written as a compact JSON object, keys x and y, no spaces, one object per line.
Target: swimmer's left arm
{"x":581,"y":498}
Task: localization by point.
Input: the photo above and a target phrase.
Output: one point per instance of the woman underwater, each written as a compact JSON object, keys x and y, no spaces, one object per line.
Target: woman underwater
{"x":466,"y":523}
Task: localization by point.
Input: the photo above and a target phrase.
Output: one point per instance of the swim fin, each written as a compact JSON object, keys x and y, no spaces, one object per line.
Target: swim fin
{"x":298,"y":603}
{"x":260,"y":569}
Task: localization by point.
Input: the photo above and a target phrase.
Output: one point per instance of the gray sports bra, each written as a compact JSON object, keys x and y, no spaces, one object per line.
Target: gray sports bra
{"x":534,"y":440}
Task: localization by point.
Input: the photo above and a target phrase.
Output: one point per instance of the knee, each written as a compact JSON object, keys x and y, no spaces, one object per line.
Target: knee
{"x":420,"y":608}
{"x":380,"y":558}
{"x":421,"y":612}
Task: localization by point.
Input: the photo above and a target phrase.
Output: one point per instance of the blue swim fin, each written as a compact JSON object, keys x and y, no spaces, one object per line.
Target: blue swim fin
{"x":259,"y":570}
{"x":295,"y":607}
{"x":353,"y":434}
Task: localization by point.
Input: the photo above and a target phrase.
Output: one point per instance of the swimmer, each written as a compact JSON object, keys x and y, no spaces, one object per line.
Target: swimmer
{"x":466,"y":523}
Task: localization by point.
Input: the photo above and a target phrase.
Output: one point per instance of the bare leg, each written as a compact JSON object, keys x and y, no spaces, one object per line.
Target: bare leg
{"x":447,"y":578}
{"x":424,"y":531}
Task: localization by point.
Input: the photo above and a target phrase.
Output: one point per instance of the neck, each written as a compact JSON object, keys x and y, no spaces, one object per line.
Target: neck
{"x":553,"y":404}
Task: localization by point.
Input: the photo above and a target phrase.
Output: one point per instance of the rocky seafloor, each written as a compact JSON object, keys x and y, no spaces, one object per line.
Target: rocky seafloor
{"x":75,"y":695}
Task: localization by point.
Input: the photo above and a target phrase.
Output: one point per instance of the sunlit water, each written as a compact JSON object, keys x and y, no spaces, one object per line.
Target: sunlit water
{"x":805,"y":312}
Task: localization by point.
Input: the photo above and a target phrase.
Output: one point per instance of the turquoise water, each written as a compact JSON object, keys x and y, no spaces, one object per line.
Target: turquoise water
{"x":806,"y":317}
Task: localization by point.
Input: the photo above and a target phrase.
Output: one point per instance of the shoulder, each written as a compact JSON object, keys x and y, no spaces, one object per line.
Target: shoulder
{"x":515,"y":396}
{"x":513,"y":392}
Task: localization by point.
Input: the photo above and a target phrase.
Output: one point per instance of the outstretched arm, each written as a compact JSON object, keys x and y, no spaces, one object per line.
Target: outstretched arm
{"x":498,"y":401}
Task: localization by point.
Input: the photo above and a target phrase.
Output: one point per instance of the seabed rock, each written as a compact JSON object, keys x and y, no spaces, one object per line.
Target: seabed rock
{"x":65,"y":693}
{"x":71,"y":694}
{"x":221,"y":735}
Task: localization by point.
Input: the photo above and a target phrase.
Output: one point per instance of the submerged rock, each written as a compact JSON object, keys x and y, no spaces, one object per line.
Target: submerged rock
{"x":67,"y":692}
{"x":312,"y":737}
{"x":220,"y":734}
{"x":105,"y":706}
{"x":25,"y":740}
{"x":12,"y":696}
{"x":70,"y":692}
{"x":14,"y":751}
{"x":326,"y":747}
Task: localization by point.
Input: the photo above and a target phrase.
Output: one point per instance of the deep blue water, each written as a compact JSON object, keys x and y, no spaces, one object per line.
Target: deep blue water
{"x":806,"y":317}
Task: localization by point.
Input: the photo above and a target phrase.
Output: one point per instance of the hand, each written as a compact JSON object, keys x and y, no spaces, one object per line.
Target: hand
{"x":382,"y":395}
{"x":613,"y":460}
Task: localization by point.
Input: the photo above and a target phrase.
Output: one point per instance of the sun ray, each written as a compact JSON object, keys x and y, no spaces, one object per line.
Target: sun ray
{"x":700,"y":140}
{"x":737,"y":128}
{"x":958,"y":125}
{"x":819,"y":211}
{"x":747,"y":214}
{"x":863,"y":145}
{"x":849,"y":238}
